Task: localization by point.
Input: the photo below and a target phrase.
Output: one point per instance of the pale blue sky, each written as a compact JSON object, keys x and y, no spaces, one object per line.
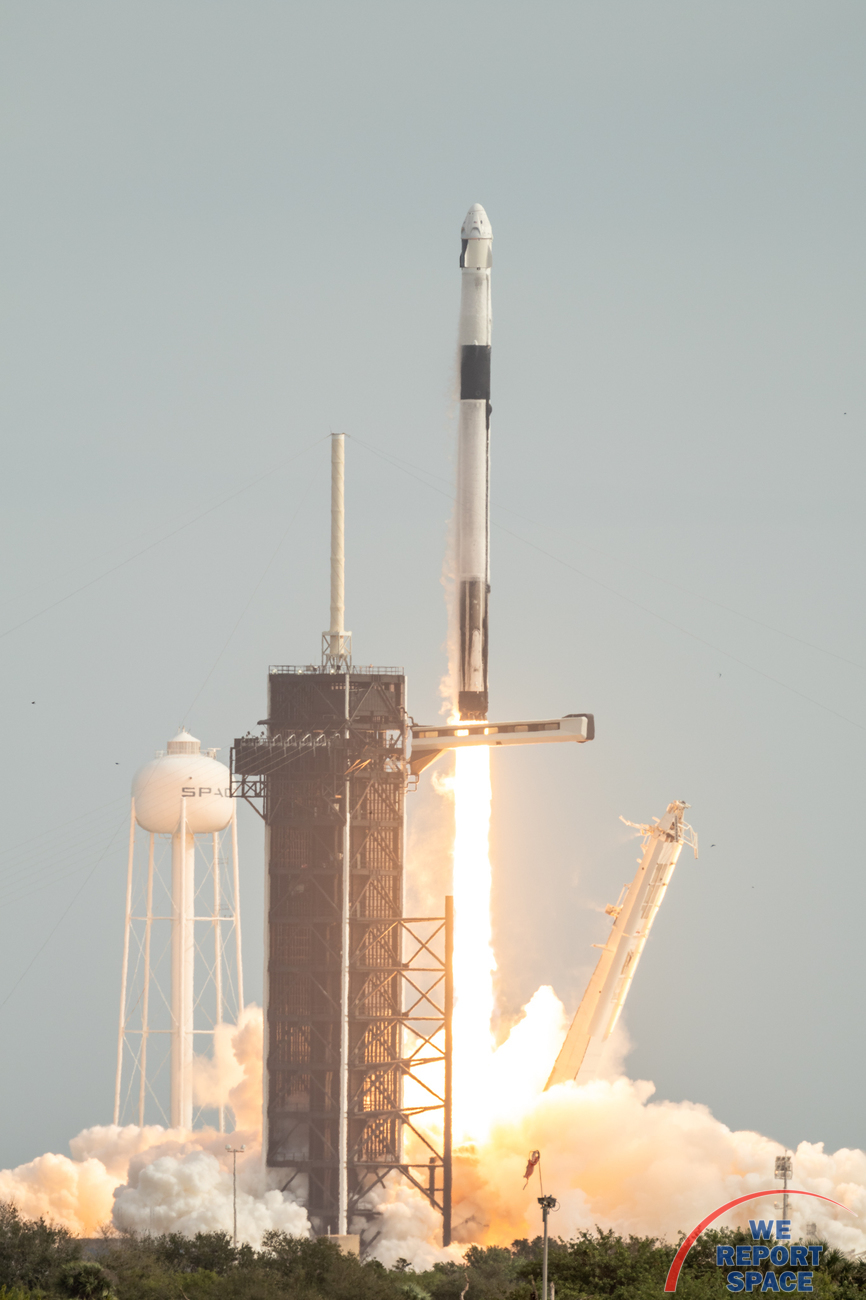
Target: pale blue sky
{"x":229,"y":228}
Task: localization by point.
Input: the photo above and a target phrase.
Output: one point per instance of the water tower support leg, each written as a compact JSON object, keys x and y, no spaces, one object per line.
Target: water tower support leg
{"x":122,"y":1021}
{"x":218,"y":955}
{"x":182,"y":968}
{"x":145,"y":1001}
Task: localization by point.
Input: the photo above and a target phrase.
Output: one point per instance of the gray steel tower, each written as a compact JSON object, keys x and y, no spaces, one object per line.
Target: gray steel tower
{"x":331,"y":773}
{"x":333,"y":805}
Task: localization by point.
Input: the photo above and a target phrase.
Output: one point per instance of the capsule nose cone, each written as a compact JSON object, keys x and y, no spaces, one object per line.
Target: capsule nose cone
{"x":477,"y":224}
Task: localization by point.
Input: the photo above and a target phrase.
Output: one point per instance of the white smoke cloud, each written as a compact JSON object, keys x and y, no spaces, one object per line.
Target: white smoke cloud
{"x":75,"y":1194}
{"x":408,"y":1228}
{"x":232,"y":1076}
{"x":611,"y":1155}
{"x":157,"y":1179}
{"x":193,"y":1193}
{"x":616,"y":1159}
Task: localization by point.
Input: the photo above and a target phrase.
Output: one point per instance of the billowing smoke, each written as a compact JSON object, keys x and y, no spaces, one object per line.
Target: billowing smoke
{"x":611,"y":1155}
{"x":408,"y":1228}
{"x":77,"y":1194}
{"x":615,"y":1158}
{"x":157,"y":1179}
{"x":192,"y":1192}
{"x":232,"y":1075}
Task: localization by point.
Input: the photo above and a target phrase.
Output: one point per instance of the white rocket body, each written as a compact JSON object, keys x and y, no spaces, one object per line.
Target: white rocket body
{"x":633,"y":916}
{"x":473,"y":463}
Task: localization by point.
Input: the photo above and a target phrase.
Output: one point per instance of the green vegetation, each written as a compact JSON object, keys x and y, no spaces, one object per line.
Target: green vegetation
{"x":38,"y":1262}
{"x":32,"y":1254}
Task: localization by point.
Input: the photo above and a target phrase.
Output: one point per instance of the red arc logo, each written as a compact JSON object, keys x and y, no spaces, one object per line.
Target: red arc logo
{"x":679,"y":1257}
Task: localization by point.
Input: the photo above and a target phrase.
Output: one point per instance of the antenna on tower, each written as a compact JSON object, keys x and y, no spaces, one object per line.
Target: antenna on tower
{"x":337,"y":642}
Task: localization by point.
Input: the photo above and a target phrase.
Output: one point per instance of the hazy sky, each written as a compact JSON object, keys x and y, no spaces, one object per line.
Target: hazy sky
{"x":231,"y":227}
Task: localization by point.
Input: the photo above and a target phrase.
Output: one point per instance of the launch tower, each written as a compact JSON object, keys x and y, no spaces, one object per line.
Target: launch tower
{"x":331,"y":774}
{"x":333,"y":783}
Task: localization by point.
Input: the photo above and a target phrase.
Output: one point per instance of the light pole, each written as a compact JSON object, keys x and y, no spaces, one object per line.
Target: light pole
{"x":547,"y":1204}
{"x":235,"y":1152}
{"x":784,"y":1170}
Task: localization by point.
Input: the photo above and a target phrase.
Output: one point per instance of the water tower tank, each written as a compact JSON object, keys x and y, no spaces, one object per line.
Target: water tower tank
{"x":183,"y":773}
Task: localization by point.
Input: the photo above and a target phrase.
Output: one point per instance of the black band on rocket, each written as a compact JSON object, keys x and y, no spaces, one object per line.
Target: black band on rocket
{"x":474,"y":372}
{"x":472,"y":706}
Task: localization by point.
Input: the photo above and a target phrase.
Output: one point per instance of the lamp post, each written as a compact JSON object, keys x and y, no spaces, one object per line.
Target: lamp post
{"x":235,"y":1152}
{"x":547,"y":1204}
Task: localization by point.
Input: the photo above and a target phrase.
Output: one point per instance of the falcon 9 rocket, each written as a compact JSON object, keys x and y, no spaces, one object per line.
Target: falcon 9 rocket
{"x":473,"y":464}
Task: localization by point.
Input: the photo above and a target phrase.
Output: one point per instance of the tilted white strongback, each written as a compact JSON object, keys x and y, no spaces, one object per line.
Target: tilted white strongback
{"x":633,"y":916}
{"x":178,"y":986}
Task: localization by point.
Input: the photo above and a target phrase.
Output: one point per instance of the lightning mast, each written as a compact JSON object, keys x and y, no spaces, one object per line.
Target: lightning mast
{"x":337,"y":642}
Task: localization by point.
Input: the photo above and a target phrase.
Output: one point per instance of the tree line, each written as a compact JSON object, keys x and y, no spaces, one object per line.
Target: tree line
{"x":39,"y":1261}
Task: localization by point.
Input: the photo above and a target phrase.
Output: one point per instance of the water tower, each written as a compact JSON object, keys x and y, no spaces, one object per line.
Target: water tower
{"x":182,"y":969}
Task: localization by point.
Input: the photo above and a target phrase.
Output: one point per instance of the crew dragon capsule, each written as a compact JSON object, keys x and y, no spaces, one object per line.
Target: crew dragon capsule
{"x":473,"y":463}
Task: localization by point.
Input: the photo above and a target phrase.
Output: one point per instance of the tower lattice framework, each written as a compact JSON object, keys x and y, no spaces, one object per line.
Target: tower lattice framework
{"x":331,"y":775}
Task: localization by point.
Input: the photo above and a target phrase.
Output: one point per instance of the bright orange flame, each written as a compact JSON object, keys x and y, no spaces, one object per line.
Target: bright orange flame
{"x":474,"y":961}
